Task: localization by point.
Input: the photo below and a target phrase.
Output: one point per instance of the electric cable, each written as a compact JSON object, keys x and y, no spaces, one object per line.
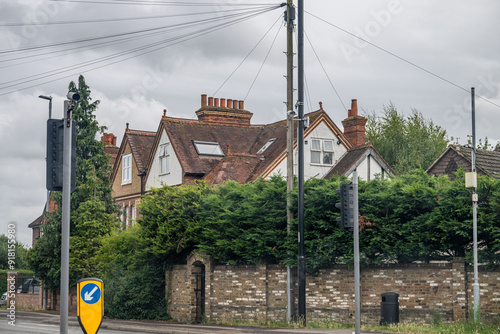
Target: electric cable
{"x":92,"y":46}
{"x":124,"y":34}
{"x":324,"y":71}
{"x":246,"y":57}
{"x":19,"y":24}
{"x":176,"y":40}
{"x":403,"y":59}
{"x":165,"y":3}
{"x":265,"y":59}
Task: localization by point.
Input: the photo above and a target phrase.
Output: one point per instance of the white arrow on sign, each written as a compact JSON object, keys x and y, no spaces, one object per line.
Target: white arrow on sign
{"x":88,"y":295}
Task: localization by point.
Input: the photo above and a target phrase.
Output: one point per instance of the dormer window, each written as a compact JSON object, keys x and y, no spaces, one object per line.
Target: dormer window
{"x":208,"y":149}
{"x":266,"y":146}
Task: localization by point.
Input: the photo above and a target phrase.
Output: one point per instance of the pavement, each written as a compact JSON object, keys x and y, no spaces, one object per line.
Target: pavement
{"x":164,"y":327}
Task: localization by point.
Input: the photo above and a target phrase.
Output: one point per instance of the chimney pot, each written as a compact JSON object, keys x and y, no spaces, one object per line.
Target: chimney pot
{"x":216,"y":102}
{"x":229,"y":103}
{"x":210,"y":101}
{"x":223,"y":103}
{"x":203,"y":100}
{"x":242,"y":104}
{"x":354,"y":108}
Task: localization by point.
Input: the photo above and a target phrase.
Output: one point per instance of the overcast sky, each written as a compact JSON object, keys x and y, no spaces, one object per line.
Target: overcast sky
{"x":420,"y":54}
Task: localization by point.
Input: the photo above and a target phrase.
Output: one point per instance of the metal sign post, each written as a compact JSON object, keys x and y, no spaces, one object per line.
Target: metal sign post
{"x":355,"y":214}
{"x":66,"y":198}
{"x":90,"y":305}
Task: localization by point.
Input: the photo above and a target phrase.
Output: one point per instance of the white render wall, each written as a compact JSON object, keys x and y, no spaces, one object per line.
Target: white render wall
{"x":174,"y":177}
{"x":322,"y":131}
{"x":374,"y":170}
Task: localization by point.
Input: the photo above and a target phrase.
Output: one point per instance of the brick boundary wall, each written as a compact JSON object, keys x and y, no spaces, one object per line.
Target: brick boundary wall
{"x":258,"y":292}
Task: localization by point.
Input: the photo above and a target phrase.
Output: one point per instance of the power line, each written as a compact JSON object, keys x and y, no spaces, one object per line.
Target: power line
{"x":30,"y":48}
{"x":245,"y":58}
{"x":265,"y":59}
{"x":324,"y":71}
{"x":21,"y":24}
{"x":152,"y":47}
{"x":161,"y":3}
{"x":403,"y":59}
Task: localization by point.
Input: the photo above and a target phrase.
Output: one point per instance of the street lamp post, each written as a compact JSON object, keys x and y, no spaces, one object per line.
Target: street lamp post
{"x":49,"y":98}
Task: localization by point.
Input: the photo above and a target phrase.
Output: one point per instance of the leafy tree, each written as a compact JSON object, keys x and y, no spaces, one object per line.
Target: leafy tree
{"x":20,"y":251}
{"x":408,"y":142}
{"x":93,"y":212}
{"x":135,"y":281}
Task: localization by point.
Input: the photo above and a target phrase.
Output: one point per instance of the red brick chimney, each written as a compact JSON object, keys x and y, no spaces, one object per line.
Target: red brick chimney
{"x":108,"y":139}
{"x":223,"y":111}
{"x":354,"y":126}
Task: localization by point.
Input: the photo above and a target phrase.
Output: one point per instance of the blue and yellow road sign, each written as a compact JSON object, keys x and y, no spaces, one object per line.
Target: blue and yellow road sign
{"x":90,"y":306}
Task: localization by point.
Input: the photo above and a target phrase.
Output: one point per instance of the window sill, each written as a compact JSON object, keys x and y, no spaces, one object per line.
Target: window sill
{"x":127,"y":182}
{"x":163,"y":174}
{"x":321,"y":165}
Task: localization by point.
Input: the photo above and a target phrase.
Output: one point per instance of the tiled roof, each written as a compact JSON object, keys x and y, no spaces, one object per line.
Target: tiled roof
{"x":231,"y":138}
{"x":239,"y":144}
{"x":140,"y":143}
{"x":487,"y":162}
{"x":349,"y":161}
{"x":36,"y":223}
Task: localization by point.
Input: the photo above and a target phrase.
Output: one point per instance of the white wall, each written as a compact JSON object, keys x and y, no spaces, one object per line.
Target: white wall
{"x":374,"y":170}
{"x":174,"y":177}
{"x":322,"y":131}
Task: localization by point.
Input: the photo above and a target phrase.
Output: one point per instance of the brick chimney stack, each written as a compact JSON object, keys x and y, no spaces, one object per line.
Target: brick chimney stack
{"x":223,"y":111}
{"x":108,"y":139}
{"x":354,"y":126}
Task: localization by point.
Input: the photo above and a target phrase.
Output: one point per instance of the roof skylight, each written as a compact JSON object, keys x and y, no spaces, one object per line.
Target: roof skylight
{"x":266,"y":146}
{"x":208,"y":148}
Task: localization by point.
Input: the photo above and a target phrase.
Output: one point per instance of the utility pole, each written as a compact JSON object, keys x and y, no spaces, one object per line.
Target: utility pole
{"x":474,"y":209}
{"x":300,"y":140}
{"x":290,"y":16}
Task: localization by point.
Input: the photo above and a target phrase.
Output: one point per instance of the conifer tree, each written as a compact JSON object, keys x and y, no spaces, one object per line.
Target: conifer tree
{"x":93,"y":211}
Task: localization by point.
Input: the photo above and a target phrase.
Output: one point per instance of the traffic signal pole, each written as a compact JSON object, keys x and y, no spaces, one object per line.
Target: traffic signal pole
{"x":66,"y":197}
{"x":357,"y":308}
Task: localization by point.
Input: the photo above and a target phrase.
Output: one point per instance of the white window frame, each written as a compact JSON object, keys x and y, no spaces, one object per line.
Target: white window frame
{"x":322,"y":150}
{"x":266,"y":145}
{"x":132,"y":215}
{"x":127,"y":216}
{"x":200,"y":147}
{"x":127,"y":168}
{"x":164,"y":157}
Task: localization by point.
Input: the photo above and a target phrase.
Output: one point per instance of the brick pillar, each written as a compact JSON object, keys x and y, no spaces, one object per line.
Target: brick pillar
{"x":459,"y":288}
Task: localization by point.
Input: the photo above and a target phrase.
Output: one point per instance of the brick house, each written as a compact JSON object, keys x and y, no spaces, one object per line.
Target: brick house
{"x":456,"y":156}
{"x":129,"y":170}
{"x":222,"y":145}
